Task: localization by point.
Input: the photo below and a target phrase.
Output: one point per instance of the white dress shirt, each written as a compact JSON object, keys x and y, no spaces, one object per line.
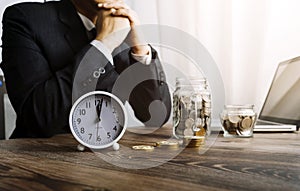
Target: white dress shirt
{"x":89,"y":25}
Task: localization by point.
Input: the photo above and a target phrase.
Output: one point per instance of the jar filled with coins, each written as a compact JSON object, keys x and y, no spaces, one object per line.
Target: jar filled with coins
{"x":191,"y":110}
{"x":238,"y":120}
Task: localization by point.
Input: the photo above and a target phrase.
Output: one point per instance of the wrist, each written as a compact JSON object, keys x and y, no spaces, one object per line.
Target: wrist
{"x":110,"y":47}
{"x":141,"y":50}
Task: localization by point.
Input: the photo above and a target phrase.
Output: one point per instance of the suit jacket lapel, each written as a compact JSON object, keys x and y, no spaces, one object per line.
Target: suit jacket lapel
{"x":76,"y":33}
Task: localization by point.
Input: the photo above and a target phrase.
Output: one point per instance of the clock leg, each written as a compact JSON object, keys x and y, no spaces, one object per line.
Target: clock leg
{"x":80,"y":147}
{"x":116,"y":146}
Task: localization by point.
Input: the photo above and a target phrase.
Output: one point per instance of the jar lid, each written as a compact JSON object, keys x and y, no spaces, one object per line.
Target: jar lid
{"x":193,"y":81}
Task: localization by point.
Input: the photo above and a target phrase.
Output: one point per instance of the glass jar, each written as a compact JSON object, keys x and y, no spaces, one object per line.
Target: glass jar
{"x":191,"y":109}
{"x":238,"y":120}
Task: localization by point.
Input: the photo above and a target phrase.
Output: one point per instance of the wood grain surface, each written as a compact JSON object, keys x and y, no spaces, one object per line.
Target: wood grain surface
{"x":265,"y":162}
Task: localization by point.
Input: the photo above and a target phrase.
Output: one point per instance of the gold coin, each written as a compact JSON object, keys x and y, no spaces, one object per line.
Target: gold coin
{"x":143,"y":147}
{"x":246,"y":123}
{"x":169,"y":143}
{"x":201,"y":132}
{"x":194,"y":142}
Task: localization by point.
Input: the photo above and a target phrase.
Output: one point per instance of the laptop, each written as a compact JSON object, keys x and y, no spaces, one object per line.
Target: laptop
{"x":281,"y":109}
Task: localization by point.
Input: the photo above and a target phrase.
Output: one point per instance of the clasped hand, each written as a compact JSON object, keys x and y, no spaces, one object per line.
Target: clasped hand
{"x":117,"y":22}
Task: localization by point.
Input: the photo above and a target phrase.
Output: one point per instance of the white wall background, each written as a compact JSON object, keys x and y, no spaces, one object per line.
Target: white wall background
{"x":247,"y":38}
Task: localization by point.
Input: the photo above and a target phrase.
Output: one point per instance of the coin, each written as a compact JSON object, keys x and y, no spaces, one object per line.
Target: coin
{"x":246,"y":123}
{"x":206,"y":98}
{"x":198,"y":124}
{"x":196,"y":97}
{"x":168,"y":143}
{"x":143,"y":147}
{"x":198,"y":105}
{"x":186,"y":99}
{"x":189,"y":123}
{"x":207,"y":111}
{"x":112,"y":10}
{"x":234,"y":118}
{"x":192,"y":114}
{"x":194,"y":142}
{"x":207,"y":104}
{"x":201,"y":132}
{"x":188,"y":132}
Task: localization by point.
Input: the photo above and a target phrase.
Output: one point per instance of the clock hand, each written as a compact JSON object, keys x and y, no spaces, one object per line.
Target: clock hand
{"x":97,"y":125}
{"x":99,"y":108}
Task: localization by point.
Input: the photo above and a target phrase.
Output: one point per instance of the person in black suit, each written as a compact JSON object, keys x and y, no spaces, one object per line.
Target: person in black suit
{"x":43,"y":47}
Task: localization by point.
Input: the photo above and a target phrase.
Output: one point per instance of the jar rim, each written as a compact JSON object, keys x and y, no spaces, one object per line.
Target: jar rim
{"x":237,"y":106}
{"x":188,"y":78}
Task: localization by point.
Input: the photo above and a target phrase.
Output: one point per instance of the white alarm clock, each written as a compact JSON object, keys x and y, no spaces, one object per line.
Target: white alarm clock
{"x":98,"y":120}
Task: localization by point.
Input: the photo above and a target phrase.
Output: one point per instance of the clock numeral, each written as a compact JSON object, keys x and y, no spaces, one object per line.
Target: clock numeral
{"x":115,"y":128}
{"x":78,"y":121}
{"x":82,"y":130}
{"x":98,"y":138}
{"x":97,"y":101}
{"x":88,"y":104}
{"x":82,"y":112}
{"x":90,"y":134}
{"x":108,"y":135}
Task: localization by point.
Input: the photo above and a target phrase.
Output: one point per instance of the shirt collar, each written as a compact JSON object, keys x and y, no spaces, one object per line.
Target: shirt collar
{"x":88,"y":24}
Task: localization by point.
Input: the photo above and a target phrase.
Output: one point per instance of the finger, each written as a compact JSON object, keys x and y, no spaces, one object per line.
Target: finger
{"x":115,"y":5}
{"x":113,"y":10}
{"x":126,"y":13}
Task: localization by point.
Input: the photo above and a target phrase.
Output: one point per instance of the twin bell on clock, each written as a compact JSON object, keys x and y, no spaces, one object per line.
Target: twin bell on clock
{"x":98,"y":120}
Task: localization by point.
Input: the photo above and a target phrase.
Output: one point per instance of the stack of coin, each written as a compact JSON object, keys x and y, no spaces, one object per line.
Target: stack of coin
{"x":191,"y":115}
{"x":195,"y":142}
{"x":238,"y":124}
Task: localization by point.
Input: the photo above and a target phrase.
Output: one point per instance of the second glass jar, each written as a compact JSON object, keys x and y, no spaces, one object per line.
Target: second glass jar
{"x":238,"y":120}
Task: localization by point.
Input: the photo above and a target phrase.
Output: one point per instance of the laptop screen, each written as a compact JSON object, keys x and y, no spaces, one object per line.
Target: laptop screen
{"x":282,"y":103}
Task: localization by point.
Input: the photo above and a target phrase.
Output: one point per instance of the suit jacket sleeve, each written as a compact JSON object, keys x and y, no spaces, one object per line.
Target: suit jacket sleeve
{"x":39,"y":95}
{"x":143,"y":86}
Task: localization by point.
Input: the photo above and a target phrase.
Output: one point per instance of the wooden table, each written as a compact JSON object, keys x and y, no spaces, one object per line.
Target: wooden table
{"x":265,"y":162}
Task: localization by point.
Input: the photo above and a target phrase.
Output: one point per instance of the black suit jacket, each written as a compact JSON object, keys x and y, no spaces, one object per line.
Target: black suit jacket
{"x":43,"y":46}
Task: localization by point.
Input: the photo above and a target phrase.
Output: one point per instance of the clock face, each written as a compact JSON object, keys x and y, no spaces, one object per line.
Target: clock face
{"x":98,"y":119}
